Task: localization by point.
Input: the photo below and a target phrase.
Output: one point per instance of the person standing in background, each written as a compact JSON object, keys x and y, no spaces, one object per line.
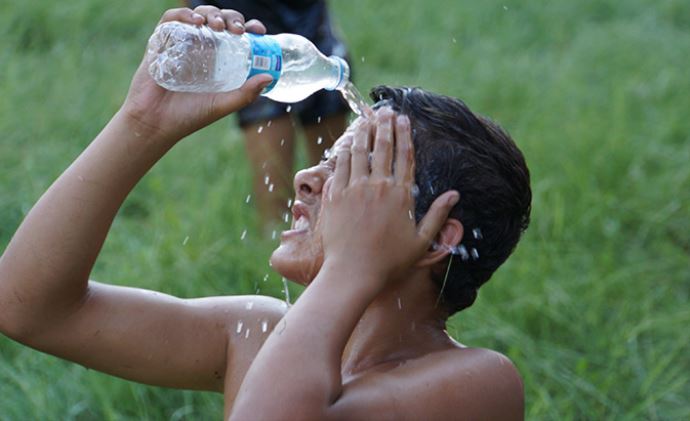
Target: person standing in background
{"x":268,"y":128}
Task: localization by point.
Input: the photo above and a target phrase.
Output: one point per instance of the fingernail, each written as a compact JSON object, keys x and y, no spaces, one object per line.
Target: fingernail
{"x":196,"y":16}
{"x":453,"y":199}
{"x":403,"y":120}
{"x":238,"y":24}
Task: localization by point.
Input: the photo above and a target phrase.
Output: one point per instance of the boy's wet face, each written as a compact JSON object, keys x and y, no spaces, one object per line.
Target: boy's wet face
{"x":300,"y":253}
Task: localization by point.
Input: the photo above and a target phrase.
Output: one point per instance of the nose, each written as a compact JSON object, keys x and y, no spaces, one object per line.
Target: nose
{"x":309,"y":182}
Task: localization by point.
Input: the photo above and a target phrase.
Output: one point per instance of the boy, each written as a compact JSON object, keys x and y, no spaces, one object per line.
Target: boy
{"x":386,"y":264}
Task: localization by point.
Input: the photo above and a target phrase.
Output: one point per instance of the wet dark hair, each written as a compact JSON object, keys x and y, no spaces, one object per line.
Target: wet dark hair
{"x":456,"y":149}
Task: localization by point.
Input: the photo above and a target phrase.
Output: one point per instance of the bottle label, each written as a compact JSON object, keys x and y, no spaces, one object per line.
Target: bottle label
{"x":266,"y":57}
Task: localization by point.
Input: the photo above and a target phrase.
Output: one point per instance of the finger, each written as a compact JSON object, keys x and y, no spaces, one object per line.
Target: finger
{"x":255,"y":26}
{"x":234,"y":21}
{"x":342,"y":171}
{"x":437,"y":214}
{"x":360,"y":150}
{"x":383,"y":144}
{"x":182,"y":14}
{"x":227,"y":103}
{"x":214,"y":19}
{"x":403,"y":170}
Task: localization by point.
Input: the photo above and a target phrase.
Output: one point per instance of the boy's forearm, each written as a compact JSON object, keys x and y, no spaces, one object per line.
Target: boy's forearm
{"x":44,"y":270}
{"x":300,"y":363}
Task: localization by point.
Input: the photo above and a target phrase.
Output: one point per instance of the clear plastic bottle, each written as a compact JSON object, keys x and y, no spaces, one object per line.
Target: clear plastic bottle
{"x":188,"y":58}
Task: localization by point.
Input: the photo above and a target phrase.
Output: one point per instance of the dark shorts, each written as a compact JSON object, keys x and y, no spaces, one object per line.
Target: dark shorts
{"x":308,"y":18}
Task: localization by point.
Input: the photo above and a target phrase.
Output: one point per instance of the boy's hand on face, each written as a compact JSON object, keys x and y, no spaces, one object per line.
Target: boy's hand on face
{"x":157,"y":112}
{"x":368,"y":209}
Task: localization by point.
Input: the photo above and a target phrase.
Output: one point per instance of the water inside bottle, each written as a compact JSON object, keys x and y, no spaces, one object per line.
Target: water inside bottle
{"x":355,"y":100}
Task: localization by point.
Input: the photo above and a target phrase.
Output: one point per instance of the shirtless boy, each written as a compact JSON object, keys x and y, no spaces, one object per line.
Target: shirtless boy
{"x":386,"y":261}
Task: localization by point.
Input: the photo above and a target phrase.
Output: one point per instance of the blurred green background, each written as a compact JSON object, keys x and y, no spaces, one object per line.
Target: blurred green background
{"x":593,"y":306}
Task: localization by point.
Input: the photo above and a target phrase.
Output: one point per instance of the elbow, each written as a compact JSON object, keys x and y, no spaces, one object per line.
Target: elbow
{"x":12,"y":324}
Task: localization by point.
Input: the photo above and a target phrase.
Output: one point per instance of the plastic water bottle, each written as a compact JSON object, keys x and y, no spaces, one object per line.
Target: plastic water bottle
{"x":189,"y":58}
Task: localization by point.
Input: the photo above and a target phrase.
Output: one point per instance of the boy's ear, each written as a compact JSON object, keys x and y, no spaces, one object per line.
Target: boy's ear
{"x":448,"y":237}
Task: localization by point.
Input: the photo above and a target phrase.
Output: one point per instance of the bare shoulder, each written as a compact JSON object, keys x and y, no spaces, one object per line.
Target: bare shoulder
{"x":478,"y":383}
{"x":458,"y":383}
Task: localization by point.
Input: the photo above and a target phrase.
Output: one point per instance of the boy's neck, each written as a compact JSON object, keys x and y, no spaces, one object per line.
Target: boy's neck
{"x":403,"y":322}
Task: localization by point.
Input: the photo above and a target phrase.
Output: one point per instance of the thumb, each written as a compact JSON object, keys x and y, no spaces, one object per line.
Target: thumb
{"x":245,"y":95}
{"x":437,"y":214}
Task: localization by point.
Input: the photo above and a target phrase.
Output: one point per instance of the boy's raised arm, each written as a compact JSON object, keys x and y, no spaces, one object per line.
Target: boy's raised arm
{"x":46,"y":299}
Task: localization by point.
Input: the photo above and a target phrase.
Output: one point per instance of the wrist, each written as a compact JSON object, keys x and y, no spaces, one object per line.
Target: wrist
{"x":359,"y":273}
{"x":133,"y":122}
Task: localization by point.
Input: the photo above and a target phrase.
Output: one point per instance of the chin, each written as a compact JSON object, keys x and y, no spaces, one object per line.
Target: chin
{"x":297,"y":262}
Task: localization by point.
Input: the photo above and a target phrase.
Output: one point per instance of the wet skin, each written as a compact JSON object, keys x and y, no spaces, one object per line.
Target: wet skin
{"x":365,"y":340}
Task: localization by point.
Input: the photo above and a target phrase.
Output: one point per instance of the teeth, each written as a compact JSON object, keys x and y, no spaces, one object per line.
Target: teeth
{"x":301,"y":223}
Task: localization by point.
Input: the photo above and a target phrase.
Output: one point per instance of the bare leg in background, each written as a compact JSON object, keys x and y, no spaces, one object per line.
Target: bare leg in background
{"x":271,"y":153}
{"x":329,"y":130}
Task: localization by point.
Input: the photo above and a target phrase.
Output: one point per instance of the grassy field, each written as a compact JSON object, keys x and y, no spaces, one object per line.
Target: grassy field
{"x":592,"y":306}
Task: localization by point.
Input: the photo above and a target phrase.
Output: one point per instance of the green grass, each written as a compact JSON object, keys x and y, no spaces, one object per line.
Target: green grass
{"x":593,"y":307}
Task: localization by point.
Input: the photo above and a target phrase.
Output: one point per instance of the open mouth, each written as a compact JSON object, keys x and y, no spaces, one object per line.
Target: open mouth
{"x":300,"y":220}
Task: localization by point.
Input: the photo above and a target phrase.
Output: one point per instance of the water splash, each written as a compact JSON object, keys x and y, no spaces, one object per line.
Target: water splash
{"x":239,"y":326}
{"x":355,"y":100}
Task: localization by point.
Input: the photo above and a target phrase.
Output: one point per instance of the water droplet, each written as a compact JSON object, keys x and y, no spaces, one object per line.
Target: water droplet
{"x":289,"y":203}
{"x":362,"y":59}
{"x":184,"y":242}
{"x":269,"y":123}
{"x":246,"y":333}
{"x":249,"y":305}
{"x":249,"y":197}
{"x":462,"y":251}
{"x":273,"y":235}
{"x":474,"y":253}
{"x":431,"y":187}
{"x":270,"y":187}
{"x":319,"y":140}
{"x":260,"y":129}
{"x":266,"y":277}
{"x":239,"y":326}
{"x":505,"y":7}
{"x":455,"y":41}
{"x":264,"y":326}
{"x":477,"y":234}
{"x":282,"y":142}
{"x":244,"y":234}
{"x":266,"y":180}
{"x":399,"y":304}
{"x":409,"y":213}
{"x":286,"y":217}
{"x":288,"y":108}
{"x":415,"y":190}
{"x":318,"y":119}
{"x":287,"y":291}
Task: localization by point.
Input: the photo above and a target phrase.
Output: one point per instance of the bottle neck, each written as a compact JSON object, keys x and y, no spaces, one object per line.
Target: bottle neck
{"x":341,"y":71}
